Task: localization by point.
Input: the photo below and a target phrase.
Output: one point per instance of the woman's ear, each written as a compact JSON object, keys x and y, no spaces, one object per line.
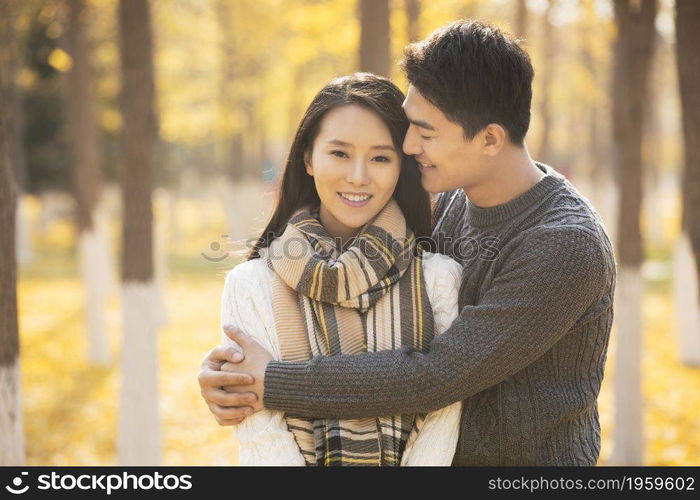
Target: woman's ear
{"x":307,"y":163}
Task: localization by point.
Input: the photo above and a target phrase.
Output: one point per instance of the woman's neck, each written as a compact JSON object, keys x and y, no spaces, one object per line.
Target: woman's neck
{"x":336,"y":229}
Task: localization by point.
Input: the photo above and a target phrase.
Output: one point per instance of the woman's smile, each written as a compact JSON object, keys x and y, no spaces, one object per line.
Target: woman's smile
{"x":355,"y":200}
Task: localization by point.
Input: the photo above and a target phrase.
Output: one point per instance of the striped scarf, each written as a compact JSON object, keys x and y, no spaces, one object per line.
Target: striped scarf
{"x":329,"y":302}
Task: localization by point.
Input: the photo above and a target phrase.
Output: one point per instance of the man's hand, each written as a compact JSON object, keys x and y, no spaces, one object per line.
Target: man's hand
{"x":233,"y":391}
{"x":254,"y":364}
{"x":228,"y":409}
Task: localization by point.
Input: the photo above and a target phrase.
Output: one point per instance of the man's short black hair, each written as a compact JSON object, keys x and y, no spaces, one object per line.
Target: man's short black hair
{"x":476,"y":75}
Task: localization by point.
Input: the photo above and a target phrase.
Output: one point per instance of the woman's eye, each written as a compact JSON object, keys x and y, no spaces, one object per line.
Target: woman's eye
{"x":339,"y":154}
{"x":381,"y":159}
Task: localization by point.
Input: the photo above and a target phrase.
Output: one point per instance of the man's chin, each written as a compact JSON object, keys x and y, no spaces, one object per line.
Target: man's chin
{"x":430,"y":187}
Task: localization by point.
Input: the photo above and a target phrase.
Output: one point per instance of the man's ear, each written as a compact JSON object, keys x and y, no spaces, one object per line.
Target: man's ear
{"x":494,"y":138}
{"x":307,"y":163}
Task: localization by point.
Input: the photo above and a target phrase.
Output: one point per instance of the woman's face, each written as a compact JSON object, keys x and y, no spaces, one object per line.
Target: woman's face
{"x":355,"y":168}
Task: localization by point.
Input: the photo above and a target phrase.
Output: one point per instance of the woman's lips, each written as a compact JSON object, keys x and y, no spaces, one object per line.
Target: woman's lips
{"x":354,"y":204}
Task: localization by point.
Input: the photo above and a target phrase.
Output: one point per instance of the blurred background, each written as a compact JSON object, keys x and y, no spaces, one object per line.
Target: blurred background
{"x":140,"y":146}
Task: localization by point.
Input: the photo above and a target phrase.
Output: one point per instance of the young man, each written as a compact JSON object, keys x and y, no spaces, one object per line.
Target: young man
{"x":527,"y":352}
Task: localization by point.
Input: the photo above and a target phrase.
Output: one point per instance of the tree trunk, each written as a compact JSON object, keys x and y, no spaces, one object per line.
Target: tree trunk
{"x":544,"y":150}
{"x":139,"y":426}
{"x":11,"y":41}
{"x":231,"y":151}
{"x":688,"y":251}
{"x":84,"y":133}
{"x":652,"y":174}
{"x":602,"y":190}
{"x":374,"y":37}
{"x":521,"y":19}
{"x":413,"y":19}
{"x":11,"y":429}
{"x":633,"y":53}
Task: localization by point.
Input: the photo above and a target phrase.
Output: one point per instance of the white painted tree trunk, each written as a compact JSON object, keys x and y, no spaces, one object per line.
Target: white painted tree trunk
{"x":628,"y":431}
{"x":686,"y":289}
{"x":23,"y":241}
{"x":161,"y":224}
{"x":98,"y":280}
{"x":139,"y":422}
{"x":11,"y":428}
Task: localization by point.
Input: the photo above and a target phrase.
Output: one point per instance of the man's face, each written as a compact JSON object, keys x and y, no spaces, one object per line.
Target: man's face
{"x":446,"y":159}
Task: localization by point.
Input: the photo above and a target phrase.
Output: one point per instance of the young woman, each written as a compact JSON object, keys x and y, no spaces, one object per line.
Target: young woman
{"x":338,"y":270}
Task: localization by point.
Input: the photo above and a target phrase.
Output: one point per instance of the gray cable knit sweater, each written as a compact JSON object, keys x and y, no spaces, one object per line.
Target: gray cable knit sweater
{"x":526,"y":354}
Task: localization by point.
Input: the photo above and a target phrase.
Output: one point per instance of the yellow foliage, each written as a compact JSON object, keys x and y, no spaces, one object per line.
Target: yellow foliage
{"x":70,"y":407}
{"x":111,"y":120}
{"x":671,"y":398}
{"x":26,"y":79}
{"x":60,"y":60}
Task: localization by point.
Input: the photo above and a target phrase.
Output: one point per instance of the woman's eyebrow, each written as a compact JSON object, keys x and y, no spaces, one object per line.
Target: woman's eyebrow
{"x":338,"y":142}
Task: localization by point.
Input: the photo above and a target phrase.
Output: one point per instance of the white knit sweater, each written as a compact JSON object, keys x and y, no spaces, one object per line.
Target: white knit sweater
{"x":263,"y":437}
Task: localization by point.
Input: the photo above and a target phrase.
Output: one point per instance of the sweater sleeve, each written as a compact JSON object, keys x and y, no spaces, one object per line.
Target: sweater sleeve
{"x":542,"y":289}
{"x":434,"y":442}
{"x":263,"y":437}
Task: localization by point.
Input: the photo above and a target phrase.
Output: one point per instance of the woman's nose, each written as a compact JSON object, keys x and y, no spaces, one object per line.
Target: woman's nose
{"x":411,"y":143}
{"x":359,"y":173}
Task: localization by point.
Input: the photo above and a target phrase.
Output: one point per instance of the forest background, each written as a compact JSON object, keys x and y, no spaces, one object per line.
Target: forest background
{"x":140,"y":146}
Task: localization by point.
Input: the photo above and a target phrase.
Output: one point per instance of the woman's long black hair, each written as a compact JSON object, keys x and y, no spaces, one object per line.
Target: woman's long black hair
{"x":377,"y":94}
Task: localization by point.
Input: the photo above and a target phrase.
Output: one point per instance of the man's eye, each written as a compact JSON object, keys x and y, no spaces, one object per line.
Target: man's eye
{"x":381,"y":159}
{"x":339,"y":153}
{"x":425,"y":137}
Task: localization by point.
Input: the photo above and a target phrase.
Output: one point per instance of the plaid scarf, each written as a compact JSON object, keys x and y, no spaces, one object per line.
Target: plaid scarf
{"x":369,"y":297}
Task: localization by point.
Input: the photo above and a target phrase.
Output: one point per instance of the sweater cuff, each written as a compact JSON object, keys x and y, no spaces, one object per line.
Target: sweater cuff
{"x":286,"y":387}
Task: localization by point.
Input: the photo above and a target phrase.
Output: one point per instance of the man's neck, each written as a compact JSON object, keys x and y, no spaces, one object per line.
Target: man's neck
{"x":514,"y":172}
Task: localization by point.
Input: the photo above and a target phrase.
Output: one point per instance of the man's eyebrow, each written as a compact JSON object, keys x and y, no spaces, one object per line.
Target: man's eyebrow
{"x":422,"y":124}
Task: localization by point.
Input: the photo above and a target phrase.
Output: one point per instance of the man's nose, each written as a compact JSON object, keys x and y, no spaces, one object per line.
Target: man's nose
{"x":411,"y":143}
{"x":359,"y":173}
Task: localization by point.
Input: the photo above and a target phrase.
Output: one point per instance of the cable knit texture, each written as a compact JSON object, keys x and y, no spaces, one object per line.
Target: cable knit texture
{"x":526,"y":353}
{"x":264,"y":438}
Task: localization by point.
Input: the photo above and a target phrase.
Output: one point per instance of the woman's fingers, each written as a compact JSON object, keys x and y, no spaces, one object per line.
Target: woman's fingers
{"x":221,"y":354}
